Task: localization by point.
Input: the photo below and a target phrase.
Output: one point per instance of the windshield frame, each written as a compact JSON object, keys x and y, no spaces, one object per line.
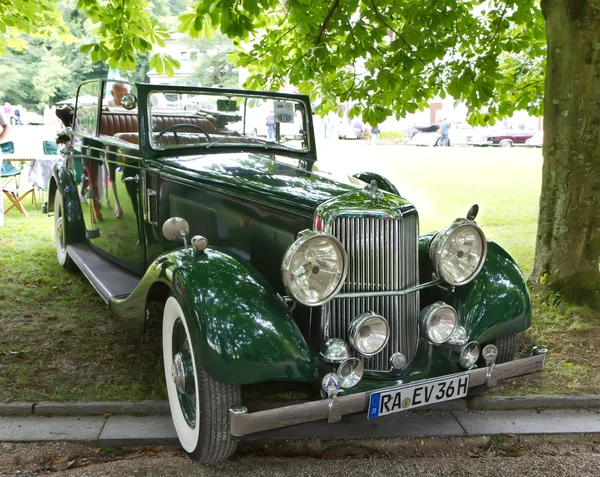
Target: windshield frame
{"x":145,"y":91}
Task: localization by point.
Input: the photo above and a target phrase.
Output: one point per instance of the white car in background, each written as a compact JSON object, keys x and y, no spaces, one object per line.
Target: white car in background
{"x":537,"y":140}
{"x":350,"y":131}
{"x":460,"y":134}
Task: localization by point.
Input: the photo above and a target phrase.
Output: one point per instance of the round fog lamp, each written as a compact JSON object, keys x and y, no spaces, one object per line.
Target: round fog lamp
{"x":469,"y":354}
{"x":369,"y":333}
{"x":350,"y":372}
{"x":335,"y":351}
{"x":438,"y":321}
{"x":314,"y":268}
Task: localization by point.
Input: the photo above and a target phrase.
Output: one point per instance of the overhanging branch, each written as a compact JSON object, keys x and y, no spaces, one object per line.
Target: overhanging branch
{"x":333,"y":8}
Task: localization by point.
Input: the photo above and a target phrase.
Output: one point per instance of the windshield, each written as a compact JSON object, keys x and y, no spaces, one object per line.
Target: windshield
{"x":183,"y":120}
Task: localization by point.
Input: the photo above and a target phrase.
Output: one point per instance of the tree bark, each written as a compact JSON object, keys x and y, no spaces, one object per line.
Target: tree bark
{"x":567,"y":253}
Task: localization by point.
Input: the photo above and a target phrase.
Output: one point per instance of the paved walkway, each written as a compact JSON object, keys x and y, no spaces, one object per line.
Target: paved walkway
{"x":531,"y":415}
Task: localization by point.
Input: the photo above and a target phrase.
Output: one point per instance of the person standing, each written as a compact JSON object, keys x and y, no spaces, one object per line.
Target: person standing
{"x":375,"y":135}
{"x":444,"y":128}
{"x":271,"y":126}
{"x":3,"y":133}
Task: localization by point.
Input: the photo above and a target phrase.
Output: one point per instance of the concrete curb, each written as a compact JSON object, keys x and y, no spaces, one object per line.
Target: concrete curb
{"x":143,"y":408}
{"x":93,"y":408}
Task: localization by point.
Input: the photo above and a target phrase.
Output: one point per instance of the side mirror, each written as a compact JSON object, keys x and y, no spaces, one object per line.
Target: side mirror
{"x":175,"y":229}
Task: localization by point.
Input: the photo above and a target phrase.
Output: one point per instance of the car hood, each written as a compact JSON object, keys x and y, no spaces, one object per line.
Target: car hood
{"x":261,"y":178}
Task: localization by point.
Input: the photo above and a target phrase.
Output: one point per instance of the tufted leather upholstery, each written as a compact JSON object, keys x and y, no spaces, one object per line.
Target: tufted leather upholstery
{"x":113,"y":123}
{"x":133,"y":138}
{"x":168,"y":139}
{"x":163,"y":122}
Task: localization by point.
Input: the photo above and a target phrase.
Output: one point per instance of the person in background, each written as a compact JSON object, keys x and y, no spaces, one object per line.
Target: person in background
{"x":4,"y":127}
{"x":271,"y":126}
{"x":118,"y":90}
{"x":17,"y":113}
{"x":444,"y":128}
{"x":375,"y":135}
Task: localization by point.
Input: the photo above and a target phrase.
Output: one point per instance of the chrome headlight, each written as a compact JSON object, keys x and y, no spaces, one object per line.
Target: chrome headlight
{"x":438,"y":322}
{"x":369,"y":333}
{"x":314,"y":268}
{"x":458,"y":252}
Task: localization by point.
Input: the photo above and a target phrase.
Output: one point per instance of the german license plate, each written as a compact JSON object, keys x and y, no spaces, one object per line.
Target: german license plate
{"x":419,"y":394}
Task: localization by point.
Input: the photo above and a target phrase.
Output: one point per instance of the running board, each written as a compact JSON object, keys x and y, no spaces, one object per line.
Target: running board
{"x":109,"y":280}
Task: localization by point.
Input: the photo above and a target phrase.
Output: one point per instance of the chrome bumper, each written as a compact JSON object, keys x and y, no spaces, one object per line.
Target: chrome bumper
{"x":243,"y":423}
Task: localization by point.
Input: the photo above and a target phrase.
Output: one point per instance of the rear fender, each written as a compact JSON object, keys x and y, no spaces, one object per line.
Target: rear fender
{"x":242,"y":330}
{"x":63,"y":180}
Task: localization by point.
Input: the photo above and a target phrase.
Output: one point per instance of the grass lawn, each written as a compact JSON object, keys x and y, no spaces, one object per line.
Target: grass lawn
{"x":58,"y":341}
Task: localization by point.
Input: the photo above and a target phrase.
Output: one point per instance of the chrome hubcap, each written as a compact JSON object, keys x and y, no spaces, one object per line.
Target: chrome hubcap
{"x":59,"y":224}
{"x":178,"y":372}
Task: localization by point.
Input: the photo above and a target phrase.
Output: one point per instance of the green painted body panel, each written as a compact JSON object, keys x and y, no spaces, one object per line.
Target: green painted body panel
{"x":242,"y":330}
{"x":496,"y":303}
{"x":260,"y":179}
{"x":63,"y":180}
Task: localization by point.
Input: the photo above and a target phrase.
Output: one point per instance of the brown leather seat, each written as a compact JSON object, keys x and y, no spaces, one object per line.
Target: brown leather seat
{"x":133,"y":138}
{"x":162,"y":122}
{"x":113,"y":123}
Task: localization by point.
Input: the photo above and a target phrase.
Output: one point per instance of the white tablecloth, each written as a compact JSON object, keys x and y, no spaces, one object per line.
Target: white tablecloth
{"x":41,"y":171}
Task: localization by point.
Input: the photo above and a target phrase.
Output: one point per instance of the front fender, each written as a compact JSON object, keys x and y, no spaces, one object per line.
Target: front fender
{"x":496,"y":303}
{"x":242,"y":330}
{"x":63,"y":180}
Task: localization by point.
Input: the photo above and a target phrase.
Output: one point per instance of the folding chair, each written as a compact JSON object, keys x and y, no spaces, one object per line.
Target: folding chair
{"x":11,"y":174}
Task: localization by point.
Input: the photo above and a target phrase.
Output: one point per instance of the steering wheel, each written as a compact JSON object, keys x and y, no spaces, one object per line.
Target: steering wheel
{"x":174,"y":127}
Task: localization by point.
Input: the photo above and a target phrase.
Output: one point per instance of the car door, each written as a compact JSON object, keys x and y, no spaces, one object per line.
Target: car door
{"x":111,"y":190}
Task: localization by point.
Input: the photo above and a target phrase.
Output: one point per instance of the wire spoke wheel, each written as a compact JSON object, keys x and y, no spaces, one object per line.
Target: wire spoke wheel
{"x":199,"y":404}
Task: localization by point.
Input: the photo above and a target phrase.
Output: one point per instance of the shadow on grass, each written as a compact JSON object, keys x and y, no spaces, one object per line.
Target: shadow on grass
{"x":58,"y":340}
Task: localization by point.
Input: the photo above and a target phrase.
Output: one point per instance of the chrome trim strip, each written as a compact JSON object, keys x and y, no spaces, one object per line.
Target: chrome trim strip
{"x":389,"y":293}
{"x":103,"y":150}
{"x":250,"y":423}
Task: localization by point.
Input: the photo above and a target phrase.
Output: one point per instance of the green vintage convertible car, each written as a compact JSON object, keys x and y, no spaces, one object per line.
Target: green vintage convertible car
{"x":205,"y":204}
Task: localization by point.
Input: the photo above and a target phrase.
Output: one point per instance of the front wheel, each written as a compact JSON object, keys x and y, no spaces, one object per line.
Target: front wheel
{"x":199,"y":404}
{"x":60,"y":235}
{"x":506,"y":143}
{"x":507,"y":348}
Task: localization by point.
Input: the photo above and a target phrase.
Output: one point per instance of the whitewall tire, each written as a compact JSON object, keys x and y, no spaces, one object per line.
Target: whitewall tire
{"x":199,"y":404}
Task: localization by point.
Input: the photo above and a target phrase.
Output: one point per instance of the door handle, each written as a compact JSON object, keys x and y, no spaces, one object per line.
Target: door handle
{"x":135,"y":179}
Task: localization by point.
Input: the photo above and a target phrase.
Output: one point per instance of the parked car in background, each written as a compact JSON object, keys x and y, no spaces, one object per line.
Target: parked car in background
{"x":263,"y":273}
{"x":33,"y":118}
{"x":460,"y":134}
{"x":537,"y":140}
{"x":350,"y":130}
{"x":509,"y":137}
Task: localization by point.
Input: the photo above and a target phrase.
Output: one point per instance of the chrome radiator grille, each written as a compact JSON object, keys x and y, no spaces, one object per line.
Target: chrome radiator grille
{"x":382,"y":256}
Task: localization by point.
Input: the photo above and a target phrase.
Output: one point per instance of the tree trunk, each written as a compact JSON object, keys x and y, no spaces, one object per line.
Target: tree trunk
{"x":567,"y":253}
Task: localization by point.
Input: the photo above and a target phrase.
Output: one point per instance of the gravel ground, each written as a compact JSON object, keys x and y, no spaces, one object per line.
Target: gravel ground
{"x":566,"y":456}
